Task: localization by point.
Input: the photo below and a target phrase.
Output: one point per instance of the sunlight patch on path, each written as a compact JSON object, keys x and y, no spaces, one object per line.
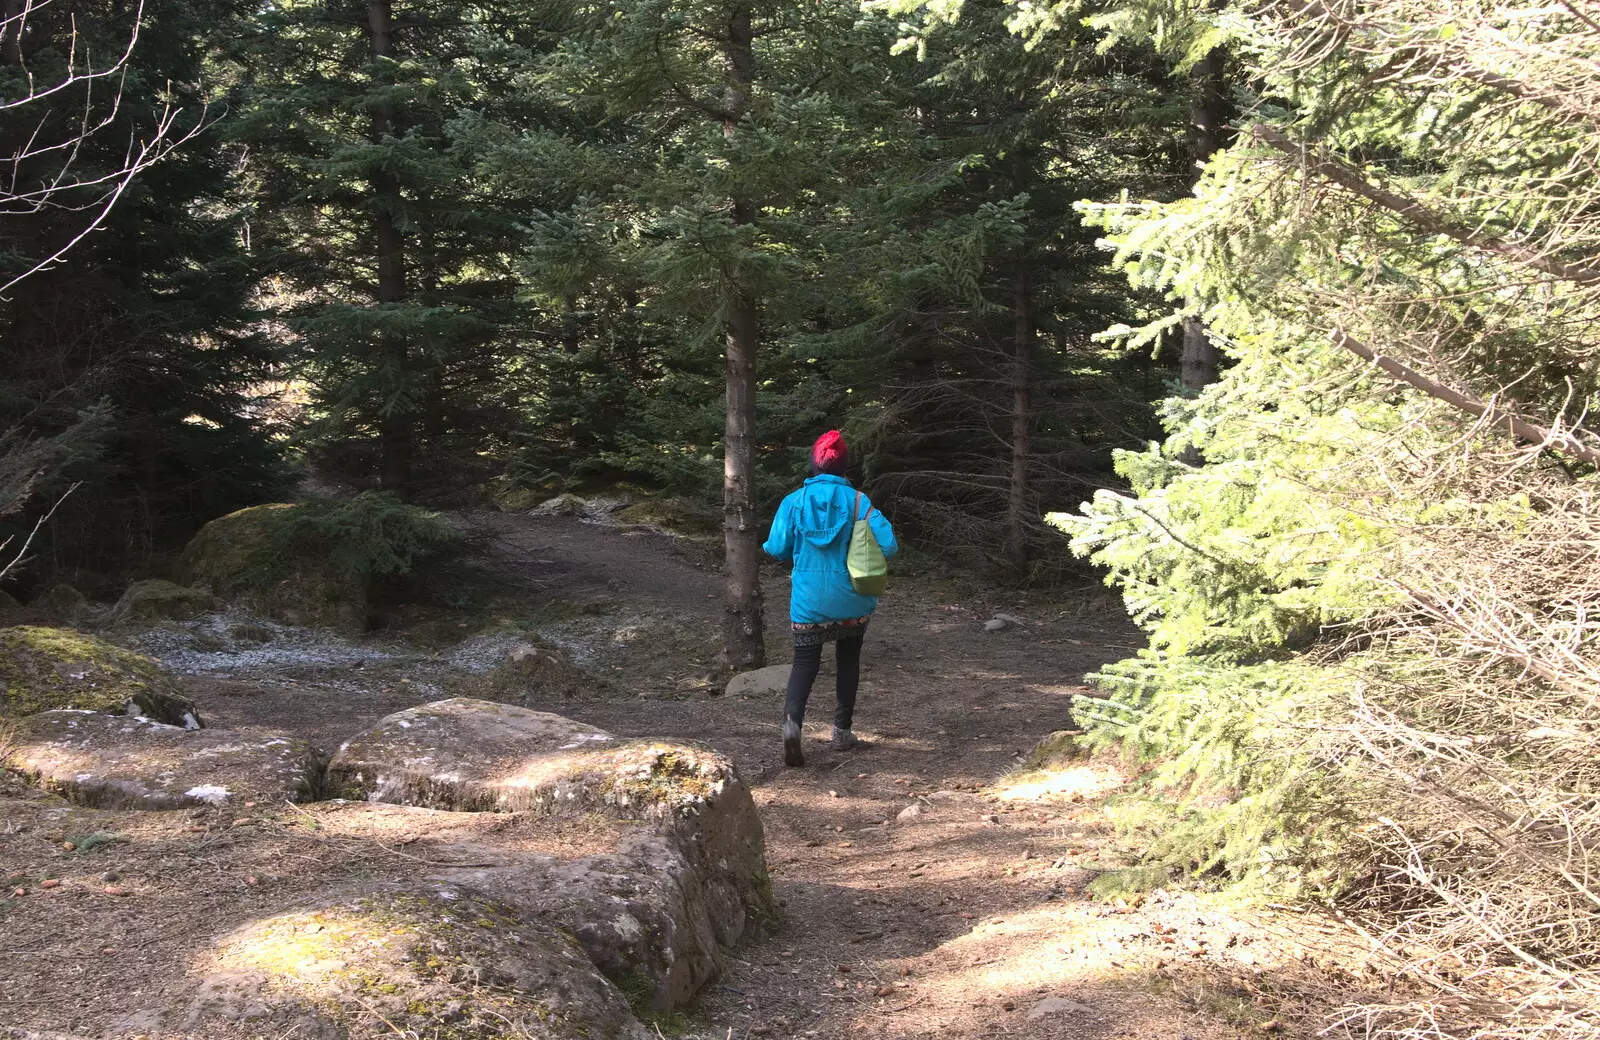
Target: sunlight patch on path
{"x":1085,"y":781}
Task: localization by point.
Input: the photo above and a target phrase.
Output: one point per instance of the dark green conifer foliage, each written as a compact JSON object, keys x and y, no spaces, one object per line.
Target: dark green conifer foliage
{"x":367,"y":122}
{"x":146,"y":324}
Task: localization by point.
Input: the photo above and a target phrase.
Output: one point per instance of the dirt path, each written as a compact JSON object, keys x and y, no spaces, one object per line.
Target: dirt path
{"x":924,"y":892}
{"x":917,"y":900}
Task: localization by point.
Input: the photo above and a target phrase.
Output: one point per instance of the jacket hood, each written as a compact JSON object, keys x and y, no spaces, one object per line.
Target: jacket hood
{"x":825,"y":509}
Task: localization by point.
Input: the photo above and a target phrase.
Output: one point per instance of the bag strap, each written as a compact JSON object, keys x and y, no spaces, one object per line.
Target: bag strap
{"x":856,"y":510}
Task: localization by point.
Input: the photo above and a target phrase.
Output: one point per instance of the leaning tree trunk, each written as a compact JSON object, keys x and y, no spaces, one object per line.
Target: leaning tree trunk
{"x":396,"y":437}
{"x":1017,"y":512}
{"x":1208,"y":116}
{"x":743,"y":636}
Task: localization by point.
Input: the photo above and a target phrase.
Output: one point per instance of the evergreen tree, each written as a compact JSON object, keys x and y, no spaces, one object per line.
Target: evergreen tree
{"x":1369,"y":611}
{"x":367,"y":123}
{"x":748,"y":122}
{"x":145,"y":326}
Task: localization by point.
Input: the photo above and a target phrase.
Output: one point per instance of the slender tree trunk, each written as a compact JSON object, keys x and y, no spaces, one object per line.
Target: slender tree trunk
{"x":1208,"y":117}
{"x":742,"y":625}
{"x":743,"y":636}
{"x":396,"y":436}
{"x":1017,"y":512}
{"x":11,"y":31}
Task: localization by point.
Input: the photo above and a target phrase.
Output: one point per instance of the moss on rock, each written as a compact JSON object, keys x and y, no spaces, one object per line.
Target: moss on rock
{"x":65,"y":602}
{"x":43,"y":669}
{"x":562,"y":505}
{"x":243,"y":557}
{"x":439,"y":961}
{"x":157,"y":600}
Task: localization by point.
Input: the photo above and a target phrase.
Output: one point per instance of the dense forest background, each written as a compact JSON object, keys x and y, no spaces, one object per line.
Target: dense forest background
{"x":449,"y":252}
{"x":1323,"y":400}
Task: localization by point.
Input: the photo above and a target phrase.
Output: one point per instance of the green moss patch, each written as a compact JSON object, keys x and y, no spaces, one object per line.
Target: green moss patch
{"x":157,"y":600}
{"x":672,"y":516}
{"x":43,"y":669}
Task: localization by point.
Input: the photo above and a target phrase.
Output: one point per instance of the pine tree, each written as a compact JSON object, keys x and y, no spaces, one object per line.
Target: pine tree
{"x":748,"y":122}
{"x":367,"y":122}
{"x":146,"y":326}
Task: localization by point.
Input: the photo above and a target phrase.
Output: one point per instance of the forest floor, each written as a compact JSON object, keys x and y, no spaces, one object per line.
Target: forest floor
{"x":927,"y":886}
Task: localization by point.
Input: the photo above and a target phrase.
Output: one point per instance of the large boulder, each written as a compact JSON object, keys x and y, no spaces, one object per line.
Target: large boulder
{"x":434,"y":960}
{"x":462,"y":754}
{"x":42,"y":669}
{"x":244,"y":557}
{"x":654,"y":915}
{"x":158,"y":600}
{"x":658,"y":914}
{"x":127,"y":762}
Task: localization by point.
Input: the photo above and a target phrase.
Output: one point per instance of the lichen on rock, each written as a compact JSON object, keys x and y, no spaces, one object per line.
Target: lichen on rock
{"x":42,"y":669}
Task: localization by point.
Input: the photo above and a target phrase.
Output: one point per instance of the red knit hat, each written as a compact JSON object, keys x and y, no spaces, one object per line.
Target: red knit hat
{"x":828,"y":454}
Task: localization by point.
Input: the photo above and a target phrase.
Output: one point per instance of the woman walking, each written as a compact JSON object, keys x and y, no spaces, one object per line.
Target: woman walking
{"x":812,"y":530}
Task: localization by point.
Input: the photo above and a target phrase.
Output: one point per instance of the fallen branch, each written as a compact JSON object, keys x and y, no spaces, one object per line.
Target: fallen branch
{"x":1523,"y":429}
{"x":1332,"y":169}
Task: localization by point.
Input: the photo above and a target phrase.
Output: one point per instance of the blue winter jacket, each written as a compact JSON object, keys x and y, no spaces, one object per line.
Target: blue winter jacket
{"x":812,"y":529}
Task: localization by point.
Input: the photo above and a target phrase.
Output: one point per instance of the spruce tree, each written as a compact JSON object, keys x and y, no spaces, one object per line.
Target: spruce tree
{"x":366,"y":123}
{"x":145,"y":327}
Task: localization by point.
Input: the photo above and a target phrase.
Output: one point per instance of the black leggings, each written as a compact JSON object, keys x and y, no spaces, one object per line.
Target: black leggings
{"x":807,"y":662}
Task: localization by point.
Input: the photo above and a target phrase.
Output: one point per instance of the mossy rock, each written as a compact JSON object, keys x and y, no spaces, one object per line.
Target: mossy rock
{"x":519,"y":500}
{"x":112,"y":762}
{"x":672,"y":516}
{"x":529,"y":673}
{"x":65,"y":602}
{"x":436,"y":960}
{"x":158,"y":600}
{"x":43,"y":669}
{"x":1056,"y":749}
{"x":238,"y":557}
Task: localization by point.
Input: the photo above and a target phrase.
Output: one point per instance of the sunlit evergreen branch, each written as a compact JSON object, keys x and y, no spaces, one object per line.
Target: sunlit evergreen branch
{"x":1323,"y":164}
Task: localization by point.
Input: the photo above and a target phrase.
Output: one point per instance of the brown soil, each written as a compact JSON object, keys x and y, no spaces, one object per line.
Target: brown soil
{"x":967,"y":916}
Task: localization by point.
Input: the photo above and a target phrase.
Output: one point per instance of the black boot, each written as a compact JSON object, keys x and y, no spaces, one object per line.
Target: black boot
{"x":792,"y":755}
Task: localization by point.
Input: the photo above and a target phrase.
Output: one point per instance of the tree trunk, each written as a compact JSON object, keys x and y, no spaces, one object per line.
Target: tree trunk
{"x":1200,"y":357}
{"x":11,"y":31}
{"x":1208,"y":117}
{"x":1017,"y":512}
{"x":743,"y":635}
{"x":742,"y":626}
{"x":396,"y":437}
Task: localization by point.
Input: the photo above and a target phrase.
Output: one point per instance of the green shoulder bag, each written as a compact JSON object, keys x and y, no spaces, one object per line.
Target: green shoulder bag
{"x":869,"y":568}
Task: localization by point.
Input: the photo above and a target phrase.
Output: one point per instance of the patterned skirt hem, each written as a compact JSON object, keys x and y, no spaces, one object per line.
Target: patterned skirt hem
{"x":828,"y":631}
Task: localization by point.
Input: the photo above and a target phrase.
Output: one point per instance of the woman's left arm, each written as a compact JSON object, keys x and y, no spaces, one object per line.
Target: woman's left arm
{"x":780,"y":540}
